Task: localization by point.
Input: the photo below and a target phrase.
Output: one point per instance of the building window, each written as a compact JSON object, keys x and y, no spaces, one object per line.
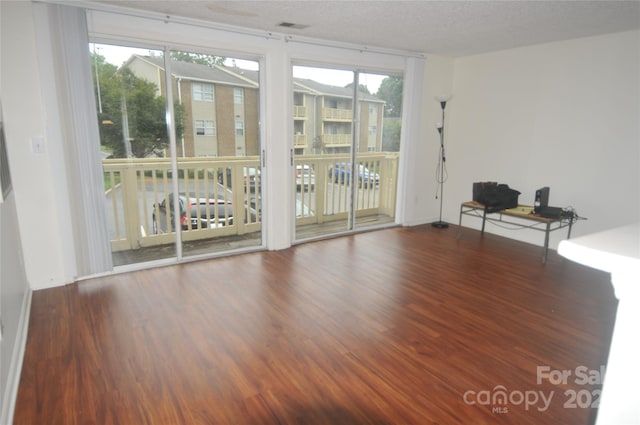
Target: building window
{"x":205,"y":127}
{"x":203,"y":92}
{"x":373,"y":129}
{"x":239,"y":128}
{"x":373,"y":109}
{"x":238,"y":96}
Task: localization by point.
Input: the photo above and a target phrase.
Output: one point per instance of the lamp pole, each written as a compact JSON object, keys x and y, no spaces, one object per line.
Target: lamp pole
{"x":95,"y":60}
{"x":440,"y":171}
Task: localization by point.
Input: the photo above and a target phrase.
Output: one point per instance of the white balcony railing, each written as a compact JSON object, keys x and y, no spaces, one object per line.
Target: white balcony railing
{"x":299,"y":112}
{"x":300,"y":140}
{"x":337,"y":139}
{"x":332,"y":114}
{"x":135,"y":187}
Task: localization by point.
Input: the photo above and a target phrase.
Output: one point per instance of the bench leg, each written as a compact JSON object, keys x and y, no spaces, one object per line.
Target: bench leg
{"x":546,"y":243}
{"x":484,"y":219}
{"x":460,"y":223}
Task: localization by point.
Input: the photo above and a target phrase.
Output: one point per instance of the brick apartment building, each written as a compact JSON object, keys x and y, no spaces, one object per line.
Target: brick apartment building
{"x":221,"y":110}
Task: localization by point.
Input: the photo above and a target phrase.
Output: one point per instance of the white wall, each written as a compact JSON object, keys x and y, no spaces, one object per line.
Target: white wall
{"x":37,"y":177}
{"x":421,"y":141}
{"x":15,"y":295}
{"x":563,"y":115}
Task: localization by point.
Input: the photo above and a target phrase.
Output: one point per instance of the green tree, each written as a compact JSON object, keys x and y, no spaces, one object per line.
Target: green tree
{"x":363,"y":88}
{"x":390,"y":91}
{"x":391,"y":135}
{"x":132,"y":121}
{"x":199,"y":58}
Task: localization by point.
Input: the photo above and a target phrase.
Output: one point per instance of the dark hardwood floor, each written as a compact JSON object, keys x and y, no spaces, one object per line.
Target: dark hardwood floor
{"x":398,"y":326}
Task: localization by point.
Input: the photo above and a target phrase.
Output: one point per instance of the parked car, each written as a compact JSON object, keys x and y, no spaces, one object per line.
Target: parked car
{"x":305,"y":177}
{"x":195,"y":213}
{"x":341,"y":173}
{"x":250,"y":175}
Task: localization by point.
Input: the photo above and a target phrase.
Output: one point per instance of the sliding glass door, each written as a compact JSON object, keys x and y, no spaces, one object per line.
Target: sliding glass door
{"x":323,"y":127}
{"x":192,"y":192}
{"x":346,"y":145}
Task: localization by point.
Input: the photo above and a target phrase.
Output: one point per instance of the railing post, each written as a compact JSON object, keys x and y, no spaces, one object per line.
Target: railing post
{"x":238,"y":188}
{"x":130,"y":205}
{"x":388,"y":185}
{"x":321,"y":182}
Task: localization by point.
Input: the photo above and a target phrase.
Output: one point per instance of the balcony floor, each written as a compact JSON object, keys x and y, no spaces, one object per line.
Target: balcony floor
{"x":239,"y":242}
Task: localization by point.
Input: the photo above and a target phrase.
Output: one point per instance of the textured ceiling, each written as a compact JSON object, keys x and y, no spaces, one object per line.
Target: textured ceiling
{"x":450,"y":28}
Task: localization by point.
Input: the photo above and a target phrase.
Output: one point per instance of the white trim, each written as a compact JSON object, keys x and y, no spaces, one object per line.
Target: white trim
{"x":101,"y":7}
{"x":412,"y":107}
{"x":355,"y":47}
{"x":17,"y":357}
{"x":263,"y":34}
{"x":262,"y":130}
{"x":222,"y":83}
{"x":173,"y":155}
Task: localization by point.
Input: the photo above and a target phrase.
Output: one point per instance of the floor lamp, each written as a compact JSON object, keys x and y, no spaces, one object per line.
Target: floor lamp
{"x":441,"y":172}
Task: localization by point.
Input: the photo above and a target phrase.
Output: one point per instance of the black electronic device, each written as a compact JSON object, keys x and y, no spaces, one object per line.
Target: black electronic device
{"x":541,"y":200}
{"x":551,"y":212}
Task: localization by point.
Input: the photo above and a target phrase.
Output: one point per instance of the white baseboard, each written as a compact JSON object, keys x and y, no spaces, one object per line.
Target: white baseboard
{"x":15,"y":369}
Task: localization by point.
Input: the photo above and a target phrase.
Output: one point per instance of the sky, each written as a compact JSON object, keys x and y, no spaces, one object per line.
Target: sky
{"x":117,"y":55}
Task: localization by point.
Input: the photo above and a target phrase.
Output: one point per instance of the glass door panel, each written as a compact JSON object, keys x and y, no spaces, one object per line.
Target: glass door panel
{"x":378,"y":148}
{"x":212,"y":197}
{"x":346,"y":149}
{"x":219,"y":176}
{"x":134,"y":142}
{"x":323,"y":133}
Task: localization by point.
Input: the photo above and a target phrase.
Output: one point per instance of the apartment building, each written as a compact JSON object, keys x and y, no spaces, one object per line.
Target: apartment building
{"x":221,"y":110}
{"x":220,"y":105}
{"x":324,"y":122}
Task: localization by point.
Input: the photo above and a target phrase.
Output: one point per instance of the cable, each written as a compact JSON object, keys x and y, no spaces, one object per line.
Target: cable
{"x":441,"y":170}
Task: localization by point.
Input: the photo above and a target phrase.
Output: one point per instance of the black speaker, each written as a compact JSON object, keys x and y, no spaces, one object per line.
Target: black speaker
{"x":542,"y":199}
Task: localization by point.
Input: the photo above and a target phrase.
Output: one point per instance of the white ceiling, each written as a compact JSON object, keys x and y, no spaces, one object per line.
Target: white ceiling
{"x":450,"y":28}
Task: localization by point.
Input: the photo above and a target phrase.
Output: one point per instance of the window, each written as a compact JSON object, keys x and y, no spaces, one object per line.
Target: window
{"x":373,"y":129}
{"x":373,"y":109}
{"x":203,"y":92}
{"x":205,"y":127}
{"x":239,"y":128}
{"x":238,"y":96}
